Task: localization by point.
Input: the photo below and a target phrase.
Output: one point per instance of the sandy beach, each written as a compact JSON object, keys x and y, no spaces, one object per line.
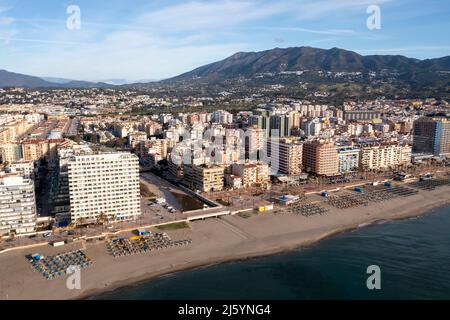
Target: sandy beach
{"x":214,"y":240}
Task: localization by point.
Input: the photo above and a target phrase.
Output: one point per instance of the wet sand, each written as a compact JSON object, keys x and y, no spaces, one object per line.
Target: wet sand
{"x":214,"y":241}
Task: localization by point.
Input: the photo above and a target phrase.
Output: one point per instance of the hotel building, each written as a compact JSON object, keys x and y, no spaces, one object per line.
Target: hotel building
{"x":105,"y":183}
{"x":286,"y":155}
{"x":321,"y":157}
{"x":432,"y":136}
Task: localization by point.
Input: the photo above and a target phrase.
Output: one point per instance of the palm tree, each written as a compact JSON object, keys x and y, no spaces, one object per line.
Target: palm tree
{"x":80,"y":222}
{"x":101,"y":220}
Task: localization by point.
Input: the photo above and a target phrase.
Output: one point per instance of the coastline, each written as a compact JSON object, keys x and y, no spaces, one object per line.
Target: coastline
{"x":256,"y":255}
{"x":216,"y":241}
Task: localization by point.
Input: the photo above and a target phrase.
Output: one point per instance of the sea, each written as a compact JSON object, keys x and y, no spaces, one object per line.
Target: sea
{"x":411,"y":258}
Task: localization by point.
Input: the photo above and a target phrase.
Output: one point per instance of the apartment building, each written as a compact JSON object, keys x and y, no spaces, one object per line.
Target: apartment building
{"x":361,"y":115}
{"x":17,"y":205}
{"x":251,"y":173}
{"x":286,"y":155}
{"x":321,"y":157}
{"x":105,"y":183}
{"x":382,"y":156}
{"x":13,"y":130}
{"x":204,"y":177}
{"x":11,"y":152}
{"x":348,"y":159}
{"x":222,"y":117}
{"x":255,"y":139}
{"x":38,"y":149}
{"x":432,"y":136}
{"x":22,"y":167}
{"x":136,"y":137}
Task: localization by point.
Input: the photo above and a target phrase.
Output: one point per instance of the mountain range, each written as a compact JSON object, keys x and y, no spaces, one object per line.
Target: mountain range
{"x":301,"y":59}
{"x":11,"y":79}
{"x":288,"y":65}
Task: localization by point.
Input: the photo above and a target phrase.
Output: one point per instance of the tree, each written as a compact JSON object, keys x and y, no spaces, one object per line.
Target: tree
{"x":76,"y":138}
{"x":102,"y":219}
{"x":81,"y":222}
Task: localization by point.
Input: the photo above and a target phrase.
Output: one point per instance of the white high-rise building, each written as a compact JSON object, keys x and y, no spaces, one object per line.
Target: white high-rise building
{"x":106,"y":184}
{"x":17,"y":205}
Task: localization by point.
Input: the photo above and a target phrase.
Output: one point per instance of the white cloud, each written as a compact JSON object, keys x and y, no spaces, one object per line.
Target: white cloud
{"x":314,"y":9}
{"x":130,"y":54}
{"x":306,"y":30}
{"x":209,"y":14}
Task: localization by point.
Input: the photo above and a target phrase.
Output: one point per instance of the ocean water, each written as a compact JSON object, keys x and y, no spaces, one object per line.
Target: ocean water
{"x":413,"y":256}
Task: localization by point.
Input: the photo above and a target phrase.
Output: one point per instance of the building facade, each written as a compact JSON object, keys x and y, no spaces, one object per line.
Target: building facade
{"x":204,"y":178}
{"x":321,"y":157}
{"x":17,"y":205}
{"x":432,"y":136}
{"x":104,"y":184}
{"x":383,"y":156}
{"x":285,"y":155}
{"x":348,"y":159}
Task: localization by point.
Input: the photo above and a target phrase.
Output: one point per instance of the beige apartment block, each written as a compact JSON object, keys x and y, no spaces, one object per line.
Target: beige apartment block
{"x":321,"y":157}
{"x":286,"y":155}
{"x":383,"y":156}
{"x":204,"y":178}
{"x":251,"y":173}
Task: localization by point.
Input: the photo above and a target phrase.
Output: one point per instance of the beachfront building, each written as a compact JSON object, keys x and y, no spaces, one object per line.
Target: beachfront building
{"x":204,"y":178}
{"x":105,"y":183}
{"x":348,"y":159}
{"x":384,"y":155}
{"x":17,"y":205}
{"x":432,"y":136}
{"x":286,"y":155}
{"x":251,"y":173}
{"x":320,"y":157}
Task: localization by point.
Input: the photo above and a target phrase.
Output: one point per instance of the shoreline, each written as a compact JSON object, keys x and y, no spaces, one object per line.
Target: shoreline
{"x":308,"y":244}
{"x":215,"y":241}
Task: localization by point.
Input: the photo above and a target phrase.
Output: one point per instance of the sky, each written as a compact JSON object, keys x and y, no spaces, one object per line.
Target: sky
{"x":156,"y":39}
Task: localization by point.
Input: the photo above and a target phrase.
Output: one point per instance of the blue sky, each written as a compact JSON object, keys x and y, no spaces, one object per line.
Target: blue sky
{"x":154,"y":39}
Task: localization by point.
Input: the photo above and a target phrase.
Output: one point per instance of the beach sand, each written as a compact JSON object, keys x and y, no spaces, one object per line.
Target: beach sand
{"x":214,"y":241}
